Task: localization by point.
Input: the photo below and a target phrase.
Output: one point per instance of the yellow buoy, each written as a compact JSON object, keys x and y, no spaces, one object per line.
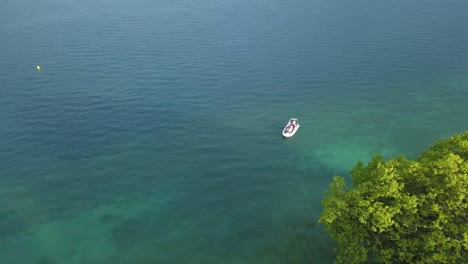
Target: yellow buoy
{"x":38,"y":68}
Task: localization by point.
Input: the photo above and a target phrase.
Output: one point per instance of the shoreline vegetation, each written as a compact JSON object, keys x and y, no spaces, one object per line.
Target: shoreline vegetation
{"x":403,"y":211}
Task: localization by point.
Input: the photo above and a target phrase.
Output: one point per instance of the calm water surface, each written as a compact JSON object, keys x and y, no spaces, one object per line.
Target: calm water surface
{"x":152,"y":134}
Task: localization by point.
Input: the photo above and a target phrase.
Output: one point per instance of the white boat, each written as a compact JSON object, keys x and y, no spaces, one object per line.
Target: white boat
{"x":291,"y":128}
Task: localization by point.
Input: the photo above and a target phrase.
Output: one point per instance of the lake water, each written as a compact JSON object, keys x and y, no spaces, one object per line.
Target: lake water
{"x":152,"y":134}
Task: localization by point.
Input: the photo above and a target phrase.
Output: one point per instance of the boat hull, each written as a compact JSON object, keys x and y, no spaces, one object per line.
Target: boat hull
{"x":287,"y":133}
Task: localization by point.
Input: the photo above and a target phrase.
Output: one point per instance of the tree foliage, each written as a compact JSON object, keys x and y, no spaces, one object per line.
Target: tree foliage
{"x":403,"y":211}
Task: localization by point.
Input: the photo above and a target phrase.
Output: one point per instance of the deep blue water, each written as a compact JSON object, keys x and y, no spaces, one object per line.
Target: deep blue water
{"x":152,"y":134}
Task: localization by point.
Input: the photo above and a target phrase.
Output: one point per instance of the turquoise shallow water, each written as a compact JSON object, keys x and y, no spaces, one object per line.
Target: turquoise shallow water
{"x":153,"y":132}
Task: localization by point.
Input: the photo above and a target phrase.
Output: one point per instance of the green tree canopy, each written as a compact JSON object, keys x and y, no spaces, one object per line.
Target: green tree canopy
{"x":403,"y":211}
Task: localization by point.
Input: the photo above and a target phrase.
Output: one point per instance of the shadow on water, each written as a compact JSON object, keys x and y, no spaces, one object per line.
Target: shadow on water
{"x":132,"y":232}
{"x":46,"y":260}
{"x":301,"y":240}
{"x":298,"y":239}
